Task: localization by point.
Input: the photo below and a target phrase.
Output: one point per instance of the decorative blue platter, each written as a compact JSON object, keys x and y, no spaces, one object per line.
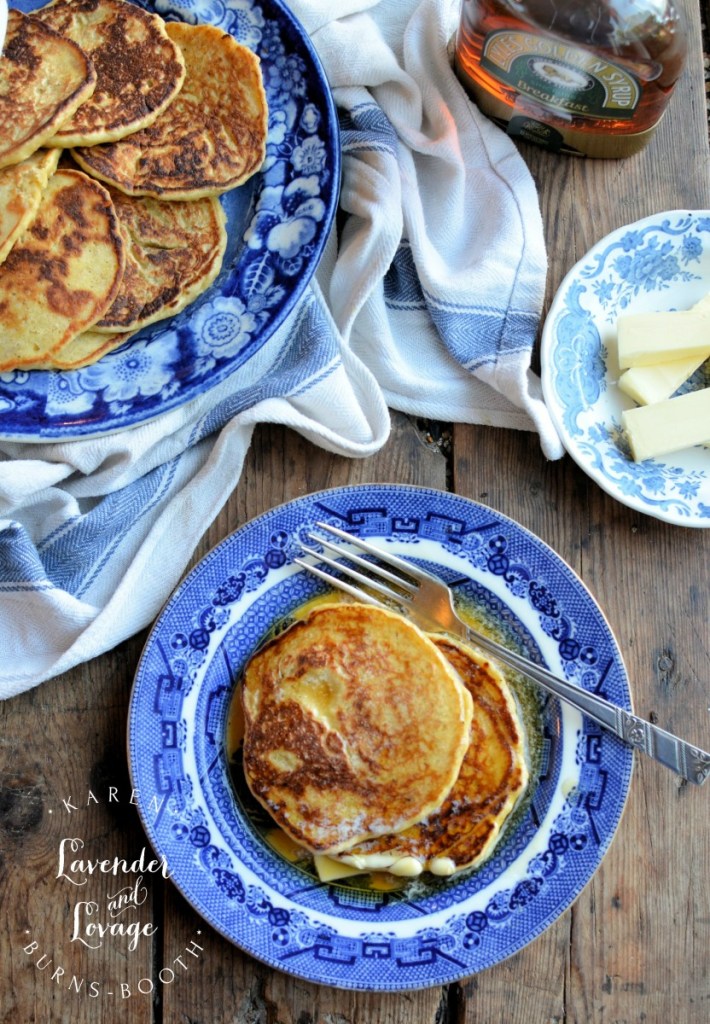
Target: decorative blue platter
{"x":659,"y":263}
{"x":431,"y":932}
{"x":277,"y":225}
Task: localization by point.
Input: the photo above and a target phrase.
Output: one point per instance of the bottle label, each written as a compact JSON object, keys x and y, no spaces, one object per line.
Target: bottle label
{"x":559,"y":76}
{"x":530,"y":130}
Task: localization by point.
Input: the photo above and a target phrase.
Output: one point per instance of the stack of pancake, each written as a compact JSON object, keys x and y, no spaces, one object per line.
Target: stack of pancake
{"x":377,"y":747}
{"x":118,"y":133}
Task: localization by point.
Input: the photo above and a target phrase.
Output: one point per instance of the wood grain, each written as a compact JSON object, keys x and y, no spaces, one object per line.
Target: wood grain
{"x":63,"y":775}
{"x":636,"y":932}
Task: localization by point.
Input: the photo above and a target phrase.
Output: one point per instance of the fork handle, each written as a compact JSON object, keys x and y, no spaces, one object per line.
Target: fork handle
{"x":688,"y":761}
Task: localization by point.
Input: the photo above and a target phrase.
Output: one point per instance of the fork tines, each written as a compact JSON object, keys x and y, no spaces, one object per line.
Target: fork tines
{"x":363,"y":571}
{"x":407,"y":569}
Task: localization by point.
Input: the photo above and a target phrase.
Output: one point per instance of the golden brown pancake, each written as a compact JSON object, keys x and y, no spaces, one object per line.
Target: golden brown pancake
{"x":82,"y":350}
{"x":63,"y":273}
{"x":210,"y":139}
{"x":174,"y":251}
{"x":44,"y":78}
{"x":21,"y":188}
{"x":355,"y":725}
{"x":139,"y":70}
{"x":464,"y":830}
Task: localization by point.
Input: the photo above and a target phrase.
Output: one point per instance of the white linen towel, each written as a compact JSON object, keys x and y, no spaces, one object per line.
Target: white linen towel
{"x":427,"y":301}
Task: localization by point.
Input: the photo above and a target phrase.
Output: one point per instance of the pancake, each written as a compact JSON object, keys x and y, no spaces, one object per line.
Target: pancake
{"x":44,"y":78}
{"x":174,"y":251}
{"x":211,"y":138}
{"x":139,"y":70}
{"x":63,"y":273}
{"x":464,"y":830}
{"x":21,"y":189}
{"x":82,"y":350}
{"x":355,"y":725}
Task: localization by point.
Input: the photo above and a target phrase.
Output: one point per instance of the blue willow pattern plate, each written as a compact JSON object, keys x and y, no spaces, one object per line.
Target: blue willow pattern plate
{"x":660,"y":263}
{"x":430,"y":933}
{"x":277,"y":224}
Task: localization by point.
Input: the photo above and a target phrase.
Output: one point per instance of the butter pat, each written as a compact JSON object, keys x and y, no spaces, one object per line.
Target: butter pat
{"x":646,"y":339}
{"x":668,"y":426}
{"x":331,"y":870}
{"x":646,"y":384}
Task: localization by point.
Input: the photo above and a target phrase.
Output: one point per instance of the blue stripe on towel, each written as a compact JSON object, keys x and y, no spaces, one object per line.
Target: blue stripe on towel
{"x":474,"y":335}
{"x":20,"y":566}
{"x":76,"y":553}
{"x":75,"y":556}
{"x":366,"y":127}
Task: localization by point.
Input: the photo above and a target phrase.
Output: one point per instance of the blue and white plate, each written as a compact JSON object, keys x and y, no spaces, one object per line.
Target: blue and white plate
{"x":431,"y":932}
{"x":277,"y":224}
{"x":659,"y":263}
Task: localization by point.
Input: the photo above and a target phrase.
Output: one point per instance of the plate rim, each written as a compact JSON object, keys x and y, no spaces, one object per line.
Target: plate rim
{"x":259,"y":520}
{"x":550,"y":394}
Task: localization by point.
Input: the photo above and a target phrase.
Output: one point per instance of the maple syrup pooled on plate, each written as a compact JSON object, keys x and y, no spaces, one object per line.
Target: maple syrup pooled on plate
{"x":588,"y":78}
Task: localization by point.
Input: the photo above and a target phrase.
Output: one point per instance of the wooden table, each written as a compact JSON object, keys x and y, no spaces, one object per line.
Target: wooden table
{"x":635,"y":945}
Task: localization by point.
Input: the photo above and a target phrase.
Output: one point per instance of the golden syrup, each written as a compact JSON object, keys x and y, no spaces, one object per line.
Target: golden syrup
{"x":590,"y":79}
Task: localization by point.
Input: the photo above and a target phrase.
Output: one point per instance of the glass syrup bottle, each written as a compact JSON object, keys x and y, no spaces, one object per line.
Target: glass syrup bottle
{"x":589,"y":78}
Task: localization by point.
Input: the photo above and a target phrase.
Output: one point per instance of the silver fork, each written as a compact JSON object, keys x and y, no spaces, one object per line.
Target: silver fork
{"x":428,"y":602}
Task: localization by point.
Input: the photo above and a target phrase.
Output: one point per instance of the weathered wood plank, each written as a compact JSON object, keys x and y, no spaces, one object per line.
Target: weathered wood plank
{"x":628,"y":949}
{"x":638,"y":924}
{"x":63,"y":776}
{"x":227,"y":984}
{"x":507,"y":471}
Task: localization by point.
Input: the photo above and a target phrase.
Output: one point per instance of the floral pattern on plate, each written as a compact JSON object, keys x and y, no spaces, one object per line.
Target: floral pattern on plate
{"x":277,"y":224}
{"x":435,"y":931}
{"x":659,"y":263}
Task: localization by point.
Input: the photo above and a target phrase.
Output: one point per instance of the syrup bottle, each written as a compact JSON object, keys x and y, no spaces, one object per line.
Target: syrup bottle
{"x":590,"y":78}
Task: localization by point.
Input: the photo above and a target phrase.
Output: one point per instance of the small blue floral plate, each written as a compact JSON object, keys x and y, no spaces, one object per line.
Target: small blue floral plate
{"x":277,"y":225}
{"x":196,"y":811}
{"x":659,"y":263}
